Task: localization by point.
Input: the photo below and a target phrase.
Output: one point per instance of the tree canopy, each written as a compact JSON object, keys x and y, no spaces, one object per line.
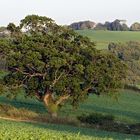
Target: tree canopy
{"x":135,"y":27}
{"x":54,"y":64}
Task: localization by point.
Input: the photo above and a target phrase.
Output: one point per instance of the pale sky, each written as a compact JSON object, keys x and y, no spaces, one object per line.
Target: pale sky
{"x":68,"y":11}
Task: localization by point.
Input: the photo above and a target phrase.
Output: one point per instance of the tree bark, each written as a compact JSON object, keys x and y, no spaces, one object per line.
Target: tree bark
{"x":52,"y":104}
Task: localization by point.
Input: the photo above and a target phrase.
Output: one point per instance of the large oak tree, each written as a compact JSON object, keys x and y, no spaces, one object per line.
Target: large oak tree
{"x":55,"y":64}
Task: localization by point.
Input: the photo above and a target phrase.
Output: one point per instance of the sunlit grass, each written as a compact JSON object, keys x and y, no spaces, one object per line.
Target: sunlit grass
{"x":103,"y":38}
{"x":11,"y":130}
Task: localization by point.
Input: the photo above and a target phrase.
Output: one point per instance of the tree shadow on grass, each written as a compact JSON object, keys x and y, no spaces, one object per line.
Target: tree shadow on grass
{"x":113,"y":111}
{"x":30,"y":105}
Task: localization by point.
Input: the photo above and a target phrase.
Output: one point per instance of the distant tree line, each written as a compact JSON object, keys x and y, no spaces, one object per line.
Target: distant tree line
{"x":116,"y":25}
{"x":83,"y":25}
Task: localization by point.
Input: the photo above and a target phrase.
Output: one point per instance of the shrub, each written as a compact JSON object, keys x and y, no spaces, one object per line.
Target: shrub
{"x":95,"y":118}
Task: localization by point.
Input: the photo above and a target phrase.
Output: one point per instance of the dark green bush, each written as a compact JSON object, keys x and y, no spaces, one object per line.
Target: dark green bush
{"x":95,"y":118}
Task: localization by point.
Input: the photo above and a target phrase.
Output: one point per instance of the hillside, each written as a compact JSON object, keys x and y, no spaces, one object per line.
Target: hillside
{"x":103,"y":38}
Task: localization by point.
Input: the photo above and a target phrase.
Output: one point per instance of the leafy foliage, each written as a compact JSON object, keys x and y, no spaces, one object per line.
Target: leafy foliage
{"x":135,"y":27}
{"x":129,"y":53}
{"x":50,"y":61}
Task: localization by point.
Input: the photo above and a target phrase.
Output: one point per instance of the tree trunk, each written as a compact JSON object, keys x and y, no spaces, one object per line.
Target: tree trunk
{"x":53,"y":104}
{"x":49,"y":102}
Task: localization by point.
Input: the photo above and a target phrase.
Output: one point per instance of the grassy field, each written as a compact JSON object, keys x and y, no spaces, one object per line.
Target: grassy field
{"x":103,"y":38}
{"x":126,"y":109}
{"x":11,"y":130}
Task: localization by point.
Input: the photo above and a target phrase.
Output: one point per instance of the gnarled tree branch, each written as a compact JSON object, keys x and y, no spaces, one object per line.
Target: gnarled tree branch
{"x":62,"y":99}
{"x":38,"y":97}
{"x":56,"y":79}
{"x":30,"y":74}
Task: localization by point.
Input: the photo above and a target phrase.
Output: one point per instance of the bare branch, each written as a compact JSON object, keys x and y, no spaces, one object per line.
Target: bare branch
{"x":39,"y":98}
{"x":31,"y":75}
{"x":86,"y":89}
{"x":62,"y":99}
{"x":56,"y":79}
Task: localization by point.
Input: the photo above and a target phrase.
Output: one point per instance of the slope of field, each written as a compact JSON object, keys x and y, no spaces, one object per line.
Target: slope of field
{"x":126,"y":109}
{"x":11,"y":130}
{"x":103,"y":38}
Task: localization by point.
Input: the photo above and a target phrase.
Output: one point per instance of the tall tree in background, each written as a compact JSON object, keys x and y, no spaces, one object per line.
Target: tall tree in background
{"x":116,"y":25}
{"x":55,"y":64}
{"x":135,"y":27}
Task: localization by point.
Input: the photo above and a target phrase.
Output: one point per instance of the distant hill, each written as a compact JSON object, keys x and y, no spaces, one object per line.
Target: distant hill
{"x":103,"y":38}
{"x":83,"y":25}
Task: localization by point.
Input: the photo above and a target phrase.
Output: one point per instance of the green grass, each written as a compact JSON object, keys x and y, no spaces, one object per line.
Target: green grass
{"x":126,"y":109}
{"x":11,"y":130}
{"x":103,"y":38}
